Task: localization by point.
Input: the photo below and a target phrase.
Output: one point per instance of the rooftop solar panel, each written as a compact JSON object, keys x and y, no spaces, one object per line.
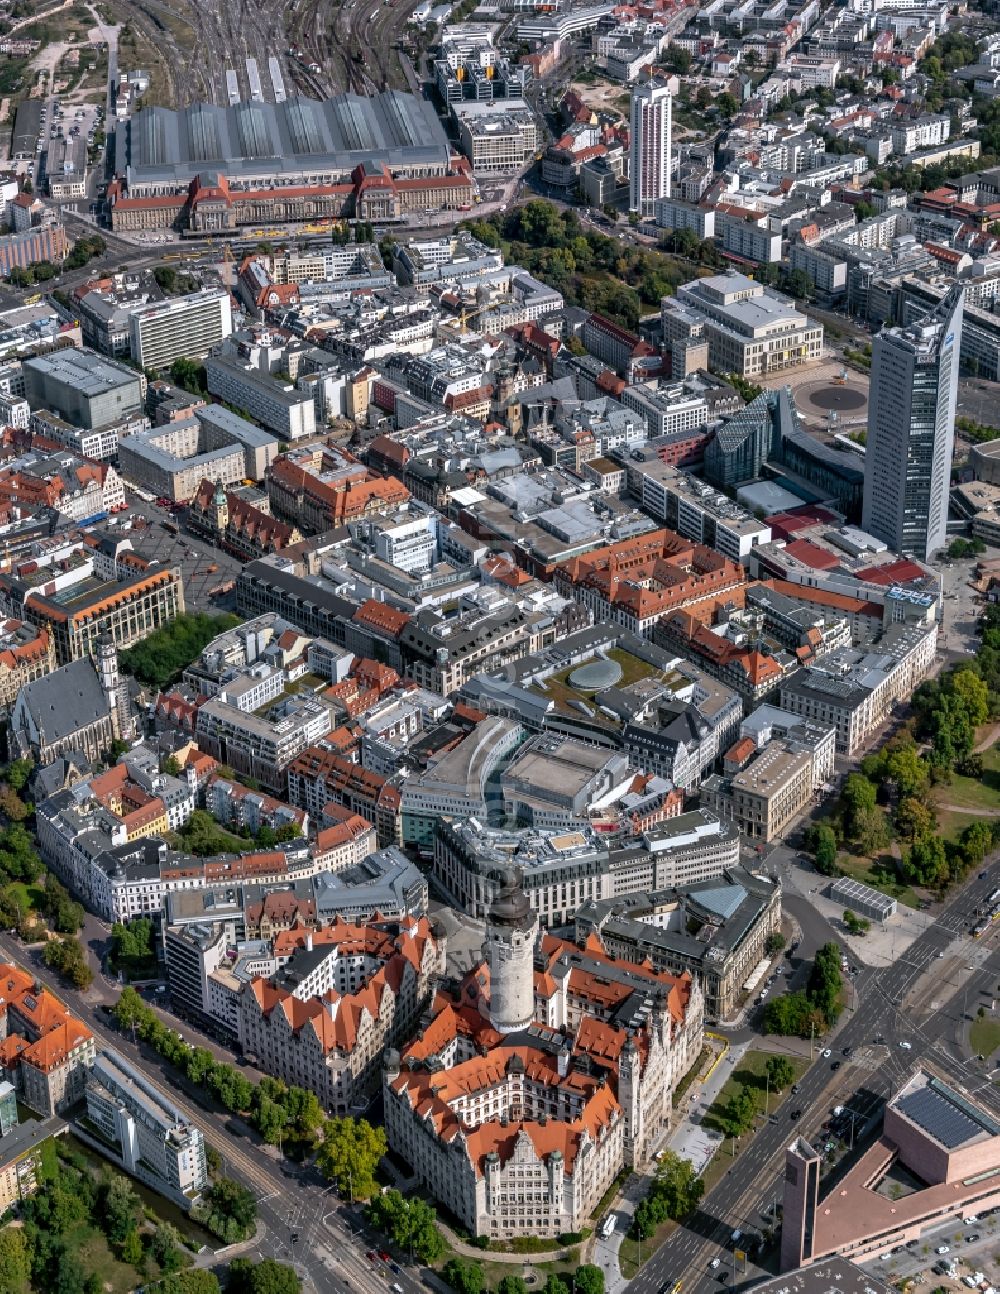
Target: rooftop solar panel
{"x":938,"y":1117}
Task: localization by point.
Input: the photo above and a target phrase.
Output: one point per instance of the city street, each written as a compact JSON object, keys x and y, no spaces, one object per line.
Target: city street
{"x":884,"y":1010}
{"x":329,"y":1253}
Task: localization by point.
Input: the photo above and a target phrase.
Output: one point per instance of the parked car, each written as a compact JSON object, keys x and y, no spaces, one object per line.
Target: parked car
{"x":943,"y":1249}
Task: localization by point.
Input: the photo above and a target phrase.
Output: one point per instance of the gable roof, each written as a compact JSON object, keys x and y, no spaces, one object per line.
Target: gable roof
{"x":66,"y":701}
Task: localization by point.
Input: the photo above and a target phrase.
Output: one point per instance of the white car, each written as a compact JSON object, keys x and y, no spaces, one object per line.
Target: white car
{"x":827,"y":1054}
{"x":906,"y":1046}
{"x":970,"y":1281}
{"x":942,"y":1249}
{"x":714,"y":1264}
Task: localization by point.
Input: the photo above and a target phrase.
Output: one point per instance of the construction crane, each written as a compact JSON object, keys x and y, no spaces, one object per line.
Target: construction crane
{"x":481,"y":309}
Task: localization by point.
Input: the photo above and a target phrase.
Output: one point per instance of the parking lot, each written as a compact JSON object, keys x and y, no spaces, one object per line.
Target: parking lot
{"x":971,"y":1252}
{"x":192,"y":554}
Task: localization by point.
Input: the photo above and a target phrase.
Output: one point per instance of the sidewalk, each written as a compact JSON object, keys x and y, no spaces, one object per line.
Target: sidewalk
{"x":689,"y":1138}
{"x":498,"y":1256}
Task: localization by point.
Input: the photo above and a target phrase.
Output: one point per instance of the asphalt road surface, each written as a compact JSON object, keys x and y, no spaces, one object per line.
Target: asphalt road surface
{"x":754,"y":1179}
{"x":330,"y":1251}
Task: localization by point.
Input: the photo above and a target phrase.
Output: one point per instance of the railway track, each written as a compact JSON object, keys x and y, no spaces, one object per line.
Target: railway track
{"x":351,"y":43}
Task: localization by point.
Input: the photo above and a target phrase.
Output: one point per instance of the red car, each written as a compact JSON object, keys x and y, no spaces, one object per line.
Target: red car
{"x":371,"y":1255}
{"x":386,"y":1258}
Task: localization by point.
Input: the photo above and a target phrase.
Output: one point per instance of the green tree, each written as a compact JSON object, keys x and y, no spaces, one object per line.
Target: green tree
{"x":926,"y":863}
{"x":66,"y":957}
{"x":228,"y":1210}
{"x":161,"y":657}
{"x":774,"y":942}
{"x":193,"y":1281}
{"x":915,"y":818}
{"x":17,"y":773}
{"x":780,"y":1072}
{"x":858,"y":799}
{"x":11,"y":804}
{"x":119,"y":1205}
{"x":350,"y":1153}
{"x":968,"y":688}
{"x":738,"y":1114}
{"x":825,"y":982}
{"x":677,"y":1185}
{"x":555,"y":1285}
{"x":588,"y":1279}
{"x":464,"y":1277}
{"x":132,"y":1249}
{"x":261,"y":1276}
{"x":15,"y":1261}
{"x":512,"y":1284}
{"x":189,"y":374}
{"x":975,"y":843}
{"x":825,"y":849}
{"x":872,"y":831}
{"x":165,"y":1247}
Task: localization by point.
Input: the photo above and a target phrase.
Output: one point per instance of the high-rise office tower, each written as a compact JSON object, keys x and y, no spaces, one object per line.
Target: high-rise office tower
{"x":649,"y":153}
{"x":911,"y":430}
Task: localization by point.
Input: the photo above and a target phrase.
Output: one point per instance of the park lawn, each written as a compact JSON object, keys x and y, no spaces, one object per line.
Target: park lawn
{"x":91,"y":1248}
{"x":32,"y":896}
{"x":952,"y":822}
{"x":749,"y":1072}
{"x":862,"y":869}
{"x":974,"y":792}
{"x":629,"y":1249}
{"x":984,"y":1037}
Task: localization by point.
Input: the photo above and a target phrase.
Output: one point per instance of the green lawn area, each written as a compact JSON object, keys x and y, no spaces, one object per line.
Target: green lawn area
{"x":984,"y":1036}
{"x":952,"y":822}
{"x":559,"y":689}
{"x":633,"y":668}
{"x":30,"y":895}
{"x":750,"y":1073}
{"x":973,"y":792}
{"x":878,"y":874}
{"x":91,"y":1248}
{"x":629,"y":1249}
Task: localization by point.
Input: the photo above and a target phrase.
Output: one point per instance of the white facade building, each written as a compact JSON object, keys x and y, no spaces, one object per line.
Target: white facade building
{"x":650,"y":121}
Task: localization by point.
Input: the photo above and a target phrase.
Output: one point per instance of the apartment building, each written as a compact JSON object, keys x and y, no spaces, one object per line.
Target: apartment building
{"x":46,"y":1050}
{"x":75,"y":619}
{"x":86,"y":389}
{"x":767,"y":795}
{"x":153,"y":1141}
{"x":496,"y":136}
{"x":279,"y":407}
{"x":26,"y":653}
{"x":442,"y":652}
{"x":627,"y":583}
{"x":347,"y":994}
{"x":854,"y":690}
{"x":184,"y":327}
{"x":691,"y":507}
{"x":21,"y":1152}
{"x":716,"y":931}
{"x":454,"y":783}
{"x":262,"y":746}
{"x":320,"y":776}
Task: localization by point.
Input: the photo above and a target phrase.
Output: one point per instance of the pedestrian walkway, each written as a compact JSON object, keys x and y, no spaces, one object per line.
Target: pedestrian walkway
{"x":689,"y":1138}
